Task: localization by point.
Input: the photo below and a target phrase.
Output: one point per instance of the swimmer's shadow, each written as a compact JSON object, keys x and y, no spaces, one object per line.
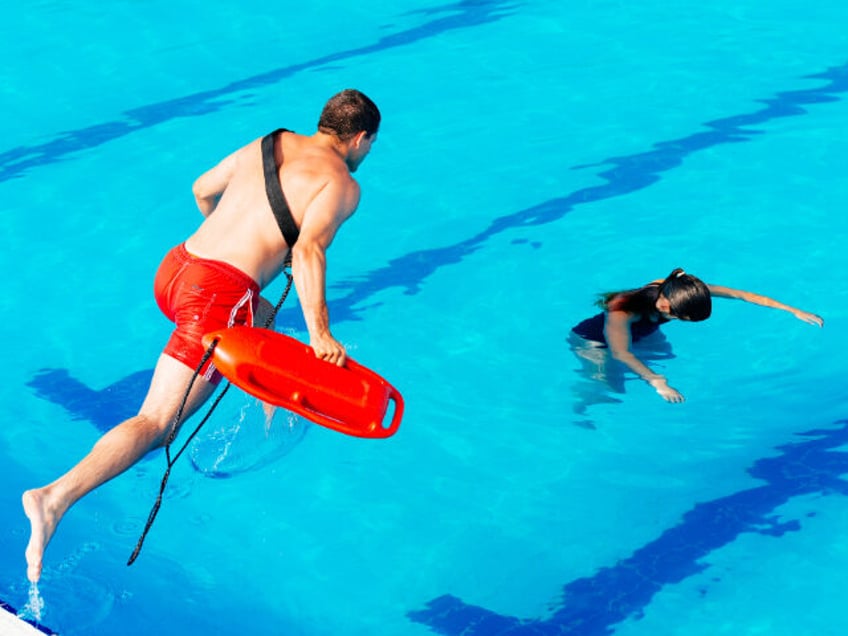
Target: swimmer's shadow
{"x":108,"y":407}
{"x":601,"y":378}
{"x":104,"y":408}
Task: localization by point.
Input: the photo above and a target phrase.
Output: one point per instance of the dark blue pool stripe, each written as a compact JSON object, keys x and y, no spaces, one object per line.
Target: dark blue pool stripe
{"x":623,"y":175}
{"x":4,"y":606}
{"x":592,"y":606}
{"x":458,"y":15}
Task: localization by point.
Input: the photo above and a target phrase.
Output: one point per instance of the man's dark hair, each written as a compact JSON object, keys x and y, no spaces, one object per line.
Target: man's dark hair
{"x":347,"y":113}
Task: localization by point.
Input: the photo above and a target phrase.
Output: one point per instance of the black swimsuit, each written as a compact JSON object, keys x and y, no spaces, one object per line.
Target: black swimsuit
{"x":593,"y":328}
{"x":279,"y":205}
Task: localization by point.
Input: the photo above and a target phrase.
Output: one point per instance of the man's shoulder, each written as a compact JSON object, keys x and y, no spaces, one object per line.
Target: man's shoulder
{"x":326,"y":163}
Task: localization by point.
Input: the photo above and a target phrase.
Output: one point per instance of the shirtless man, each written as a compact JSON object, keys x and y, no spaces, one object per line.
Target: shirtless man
{"x":213,"y":281}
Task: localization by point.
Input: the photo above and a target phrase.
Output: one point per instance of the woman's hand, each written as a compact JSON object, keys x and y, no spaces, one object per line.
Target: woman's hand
{"x":806,"y":316}
{"x":668,"y":393}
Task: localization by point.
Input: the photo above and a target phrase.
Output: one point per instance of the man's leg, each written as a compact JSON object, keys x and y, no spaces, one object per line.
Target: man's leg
{"x":113,"y":453}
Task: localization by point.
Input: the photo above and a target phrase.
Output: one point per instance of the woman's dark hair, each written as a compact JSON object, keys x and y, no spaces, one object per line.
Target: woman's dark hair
{"x":347,"y":113}
{"x":688,"y":296}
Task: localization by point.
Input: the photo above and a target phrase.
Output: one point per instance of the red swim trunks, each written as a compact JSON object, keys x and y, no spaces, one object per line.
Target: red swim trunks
{"x":199,"y":296}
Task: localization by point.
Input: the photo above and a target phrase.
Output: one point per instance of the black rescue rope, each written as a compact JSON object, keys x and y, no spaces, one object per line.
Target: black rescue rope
{"x":178,"y":420}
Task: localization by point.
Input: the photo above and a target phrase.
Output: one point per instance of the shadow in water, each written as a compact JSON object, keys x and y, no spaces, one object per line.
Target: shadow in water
{"x":104,"y":408}
{"x":601,"y":378}
{"x":592,"y":606}
{"x":238,"y":438}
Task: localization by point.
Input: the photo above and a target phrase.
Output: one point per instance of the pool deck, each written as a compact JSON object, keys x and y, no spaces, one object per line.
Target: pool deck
{"x":11,"y":625}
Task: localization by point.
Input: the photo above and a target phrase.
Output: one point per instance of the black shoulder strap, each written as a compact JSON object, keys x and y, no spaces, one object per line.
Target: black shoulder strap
{"x":275,"y":192}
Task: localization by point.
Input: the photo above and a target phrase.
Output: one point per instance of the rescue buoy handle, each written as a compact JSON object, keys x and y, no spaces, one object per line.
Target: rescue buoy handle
{"x":396,"y":397}
{"x":393,"y":395}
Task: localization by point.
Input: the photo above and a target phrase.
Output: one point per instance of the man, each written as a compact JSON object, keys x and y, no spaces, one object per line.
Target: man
{"x":284,"y":184}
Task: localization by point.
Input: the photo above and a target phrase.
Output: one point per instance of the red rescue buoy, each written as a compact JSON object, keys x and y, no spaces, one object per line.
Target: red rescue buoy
{"x":283,"y":371}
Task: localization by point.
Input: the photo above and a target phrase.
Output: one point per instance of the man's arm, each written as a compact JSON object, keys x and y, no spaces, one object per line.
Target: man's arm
{"x":617,"y":334}
{"x":765,"y":301}
{"x":209,"y":186}
{"x":332,"y":207}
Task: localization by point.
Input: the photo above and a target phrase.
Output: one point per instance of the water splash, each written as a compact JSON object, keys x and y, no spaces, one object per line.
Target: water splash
{"x":253,"y":437}
{"x":34,"y":608}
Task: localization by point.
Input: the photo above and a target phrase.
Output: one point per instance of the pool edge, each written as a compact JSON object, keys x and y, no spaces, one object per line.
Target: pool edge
{"x":12,"y":625}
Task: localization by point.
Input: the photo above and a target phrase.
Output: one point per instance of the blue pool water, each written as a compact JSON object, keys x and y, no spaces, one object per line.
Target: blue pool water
{"x":531,"y":155}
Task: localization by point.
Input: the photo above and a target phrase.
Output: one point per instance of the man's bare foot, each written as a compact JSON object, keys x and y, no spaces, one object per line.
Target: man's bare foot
{"x":43,"y":523}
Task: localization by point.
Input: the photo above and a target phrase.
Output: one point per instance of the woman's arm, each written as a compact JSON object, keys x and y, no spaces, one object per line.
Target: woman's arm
{"x":765,"y":301}
{"x":617,"y":333}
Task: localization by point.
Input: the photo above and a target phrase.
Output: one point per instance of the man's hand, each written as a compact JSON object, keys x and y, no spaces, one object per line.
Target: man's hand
{"x":328,"y":348}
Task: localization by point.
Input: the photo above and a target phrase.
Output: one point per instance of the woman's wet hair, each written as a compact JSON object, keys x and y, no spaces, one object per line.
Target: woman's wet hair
{"x":347,"y":113}
{"x":689,"y":297}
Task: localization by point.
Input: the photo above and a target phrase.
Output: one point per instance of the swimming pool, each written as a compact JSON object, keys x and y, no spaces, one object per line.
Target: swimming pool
{"x":531,"y":155}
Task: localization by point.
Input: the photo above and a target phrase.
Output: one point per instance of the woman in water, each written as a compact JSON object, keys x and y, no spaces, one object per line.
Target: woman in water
{"x":633,"y":314}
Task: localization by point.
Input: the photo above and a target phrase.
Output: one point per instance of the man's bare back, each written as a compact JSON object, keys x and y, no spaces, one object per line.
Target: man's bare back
{"x":315,"y":180}
{"x":240,"y":228}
